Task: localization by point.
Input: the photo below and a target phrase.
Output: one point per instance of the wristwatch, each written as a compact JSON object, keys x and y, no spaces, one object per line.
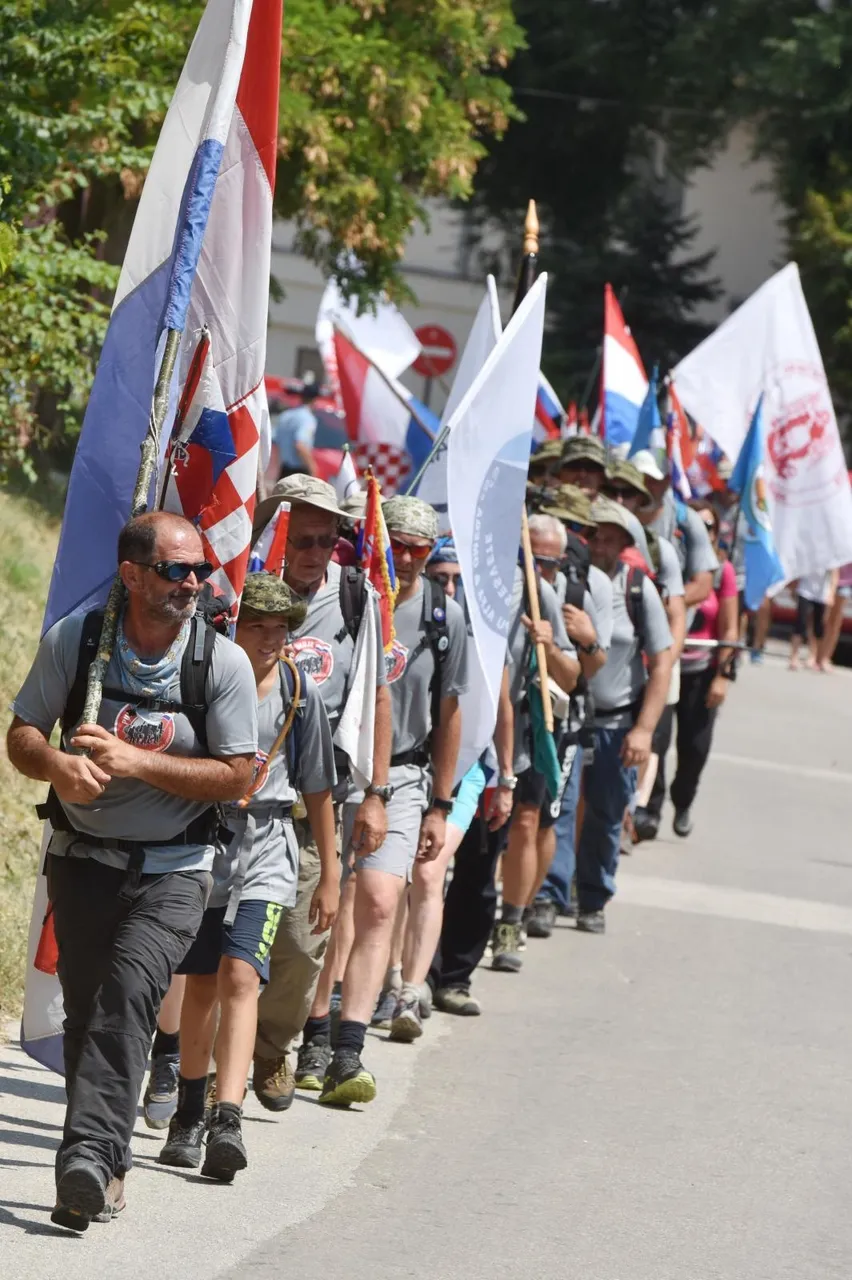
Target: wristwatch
{"x":443,"y":806}
{"x":507,"y":780}
{"x":385,"y":794}
{"x":589,"y":649}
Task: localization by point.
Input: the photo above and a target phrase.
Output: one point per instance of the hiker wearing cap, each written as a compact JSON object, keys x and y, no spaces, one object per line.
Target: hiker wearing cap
{"x":628,"y":703}
{"x":544,"y":464}
{"x":293,"y":434}
{"x":324,"y":647}
{"x":426,"y":671}
{"x":132,"y":806}
{"x":672,"y":520}
{"x":255,"y":876}
{"x":583,"y":463}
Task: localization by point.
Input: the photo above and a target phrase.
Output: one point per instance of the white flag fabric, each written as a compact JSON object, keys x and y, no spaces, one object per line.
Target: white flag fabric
{"x":386,"y":338}
{"x":356,"y":731}
{"x":488,"y":458}
{"x":485,"y":331}
{"x":346,"y":482}
{"x":769,"y":346}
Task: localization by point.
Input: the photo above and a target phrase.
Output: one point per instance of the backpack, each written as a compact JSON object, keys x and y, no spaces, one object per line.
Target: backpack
{"x":575,"y":570}
{"x":635,"y":602}
{"x":653,"y":542}
{"x":438,"y":639}
{"x":292,"y":683}
{"x":353,"y":600}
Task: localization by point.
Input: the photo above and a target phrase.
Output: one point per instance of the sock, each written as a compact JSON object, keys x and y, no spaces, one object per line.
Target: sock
{"x":393,"y":978}
{"x":165,"y":1042}
{"x":351,"y":1036}
{"x":318,"y":1029}
{"x":191,"y":1093}
{"x":511,"y":915}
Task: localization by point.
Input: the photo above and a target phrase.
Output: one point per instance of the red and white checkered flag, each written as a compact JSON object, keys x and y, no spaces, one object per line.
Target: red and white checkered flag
{"x":390,"y":465}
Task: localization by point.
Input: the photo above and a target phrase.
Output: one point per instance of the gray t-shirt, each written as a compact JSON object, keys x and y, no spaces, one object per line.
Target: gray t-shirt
{"x":692,"y":542}
{"x":410,"y":666}
{"x":130,"y":809}
{"x":517,"y":658}
{"x":669,"y":574}
{"x":620,"y":682}
{"x":272,"y":862}
{"x":597,"y":602}
{"x":324,"y":649}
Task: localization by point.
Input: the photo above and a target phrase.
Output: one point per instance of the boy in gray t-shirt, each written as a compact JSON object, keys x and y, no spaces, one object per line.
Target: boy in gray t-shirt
{"x":255,"y":879}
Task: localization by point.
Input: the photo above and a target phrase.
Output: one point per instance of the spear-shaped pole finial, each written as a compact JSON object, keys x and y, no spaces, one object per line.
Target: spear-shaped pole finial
{"x":531,"y":229}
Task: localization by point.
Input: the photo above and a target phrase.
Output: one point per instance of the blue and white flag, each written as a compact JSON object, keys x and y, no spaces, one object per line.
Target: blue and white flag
{"x":488,"y":456}
{"x":763,"y":567}
{"x":649,"y":433}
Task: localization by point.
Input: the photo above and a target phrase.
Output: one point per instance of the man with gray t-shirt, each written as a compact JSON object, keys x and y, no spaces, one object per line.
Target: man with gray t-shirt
{"x":426,"y":672}
{"x":628,"y":703}
{"x":134,"y":824}
{"x":323,"y":646}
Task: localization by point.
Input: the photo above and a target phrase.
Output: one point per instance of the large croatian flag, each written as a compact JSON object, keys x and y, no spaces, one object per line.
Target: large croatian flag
{"x":378,"y":409}
{"x":623,"y":385}
{"x":199,"y":253}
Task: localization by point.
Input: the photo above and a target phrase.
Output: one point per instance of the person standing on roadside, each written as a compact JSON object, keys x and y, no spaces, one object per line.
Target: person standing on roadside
{"x":323,"y":647}
{"x":134,"y":823}
{"x":628,"y":704}
{"x":255,"y":882}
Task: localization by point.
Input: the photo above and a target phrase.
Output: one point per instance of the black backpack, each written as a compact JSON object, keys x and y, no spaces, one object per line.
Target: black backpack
{"x":353,"y":600}
{"x":575,"y":570}
{"x":635,"y":602}
{"x":437,"y":637}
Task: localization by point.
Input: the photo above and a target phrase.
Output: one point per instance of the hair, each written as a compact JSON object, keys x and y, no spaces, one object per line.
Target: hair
{"x":551,"y":526}
{"x":138,"y":538}
{"x":701,"y":504}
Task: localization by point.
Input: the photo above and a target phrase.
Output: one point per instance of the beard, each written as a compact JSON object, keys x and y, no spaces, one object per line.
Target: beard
{"x":176,"y":607}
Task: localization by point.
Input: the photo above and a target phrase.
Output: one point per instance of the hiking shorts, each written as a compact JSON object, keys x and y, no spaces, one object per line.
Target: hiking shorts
{"x":405,"y":813}
{"x":249,"y":938}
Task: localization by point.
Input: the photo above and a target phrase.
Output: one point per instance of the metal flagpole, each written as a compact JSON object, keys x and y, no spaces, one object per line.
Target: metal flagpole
{"x":150,"y":452}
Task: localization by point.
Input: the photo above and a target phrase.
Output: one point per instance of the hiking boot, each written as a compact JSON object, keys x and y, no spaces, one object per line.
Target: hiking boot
{"x":347,"y":1081}
{"x":407,"y":1025}
{"x":591,"y":922}
{"x":226,"y":1153}
{"x":312,"y":1064}
{"x":80,"y":1195}
{"x":274,"y":1083}
{"x":457,"y":1000}
{"x":542,"y":918}
{"x":182,"y":1148}
{"x":505,"y":948}
{"x":646,"y":825}
{"x":682,"y":824}
{"x":385,"y":1009}
{"x":425,"y":1001}
{"x":115,"y":1202}
{"x":161,"y":1093}
{"x":522,"y":936}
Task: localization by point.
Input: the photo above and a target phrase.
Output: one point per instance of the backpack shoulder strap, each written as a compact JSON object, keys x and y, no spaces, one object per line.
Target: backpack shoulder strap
{"x":438,"y":637}
{"x":654,"y":550}
{"x":195,"y":666}
{"x":86,"y":654}
{"x":353,"y":599}
{"x":635,"y":601}
{"x":292,"y":690}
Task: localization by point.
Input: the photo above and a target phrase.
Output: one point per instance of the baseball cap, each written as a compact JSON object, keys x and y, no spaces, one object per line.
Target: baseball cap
{"x":605,"y":511}
{"x":310,"y":490}
{"x":646,"y":464}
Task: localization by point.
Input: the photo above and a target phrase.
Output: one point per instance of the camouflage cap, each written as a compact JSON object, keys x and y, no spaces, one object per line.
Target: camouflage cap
{"x":546,"y":456}
{"x":309,"y":490}
{"x":569,"y":503}
{"x":412,"y":517}
{"x":626,"y":473}
{"x":583,"y":449}
{"x":267,"y":593}
{"x":605,"y":511}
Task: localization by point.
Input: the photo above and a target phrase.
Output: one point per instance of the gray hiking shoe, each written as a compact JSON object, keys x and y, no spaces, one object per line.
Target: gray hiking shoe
{"x":505,"y":948}
{"x":425,"y":1001}
{"x":457,"y":1000}
{"x":407,"y":1025}
{"x":541,"y":919}
{"x":591,"y":922}
{"x":312,"y":1064}
{"x":385,"y":1009}
{"x":161,"y":1094}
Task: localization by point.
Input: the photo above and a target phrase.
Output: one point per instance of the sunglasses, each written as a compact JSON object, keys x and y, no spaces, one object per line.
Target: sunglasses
{"x":710,"y":526}
{"x":446,"y":578}
{"x":178,"y":570}
{"x":325,"y":541}
{"x":400,"y":549}
{"x":549,"y":562}
{"x":617,"y":491}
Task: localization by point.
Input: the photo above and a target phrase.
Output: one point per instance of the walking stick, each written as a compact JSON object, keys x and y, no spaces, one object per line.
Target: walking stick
{"x":526,"y":279}
{"x":150,"y":452}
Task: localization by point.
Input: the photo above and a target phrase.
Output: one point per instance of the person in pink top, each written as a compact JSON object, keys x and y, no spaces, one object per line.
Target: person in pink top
{"x":705,"y":677}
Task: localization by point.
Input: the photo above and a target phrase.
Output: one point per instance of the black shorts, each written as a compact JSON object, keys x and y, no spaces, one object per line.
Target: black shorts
{"x":532,"y":789}
{"x":249,"y":938}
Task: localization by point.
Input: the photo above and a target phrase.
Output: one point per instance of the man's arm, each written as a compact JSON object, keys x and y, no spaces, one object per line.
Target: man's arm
{"x":504,"y":746}
{"x":190,"y":777}
{"x":563,"y":667}
{"x":582,"y":631}
{"x":370,"y":825}
{"x":306,"y":454}
{"x":382,"y":735}
{"x":697,"y":589}
{"x":326,"y":899}
{"x":446,"y":739}
{"x":75,"y":779}
{"x":637,"y":744}
{"x":676,"y":614}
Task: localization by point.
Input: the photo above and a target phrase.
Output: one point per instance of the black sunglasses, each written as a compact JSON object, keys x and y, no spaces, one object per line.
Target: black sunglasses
{"x":550,"y":562}
{"x":446,"y":578}
{"x":325,"y":541}
{"x":178,"y":570}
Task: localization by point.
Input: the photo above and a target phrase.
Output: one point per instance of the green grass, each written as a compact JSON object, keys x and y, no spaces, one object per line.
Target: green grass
{"x":28,"y":539}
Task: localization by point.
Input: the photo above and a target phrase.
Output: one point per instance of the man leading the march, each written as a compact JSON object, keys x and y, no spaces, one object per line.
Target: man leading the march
{"x":324,"y":648}
{"x":134,"y":819}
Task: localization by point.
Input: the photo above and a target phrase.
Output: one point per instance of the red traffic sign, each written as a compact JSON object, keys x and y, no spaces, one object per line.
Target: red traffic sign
{"x":439,"y":350}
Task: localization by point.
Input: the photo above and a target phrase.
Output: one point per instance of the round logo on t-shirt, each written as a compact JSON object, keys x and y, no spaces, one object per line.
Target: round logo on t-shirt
{"x":395,"y":660}
{"x":261,"y":774}
{"x":313,"y":656}
{"x":153,"y":731}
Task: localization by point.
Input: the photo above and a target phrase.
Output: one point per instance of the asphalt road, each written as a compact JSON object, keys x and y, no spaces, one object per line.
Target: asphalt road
{"x":669,"y":1102}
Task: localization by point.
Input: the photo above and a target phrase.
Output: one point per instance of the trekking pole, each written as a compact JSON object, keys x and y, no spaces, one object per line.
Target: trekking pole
{"x":150,"y":456}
